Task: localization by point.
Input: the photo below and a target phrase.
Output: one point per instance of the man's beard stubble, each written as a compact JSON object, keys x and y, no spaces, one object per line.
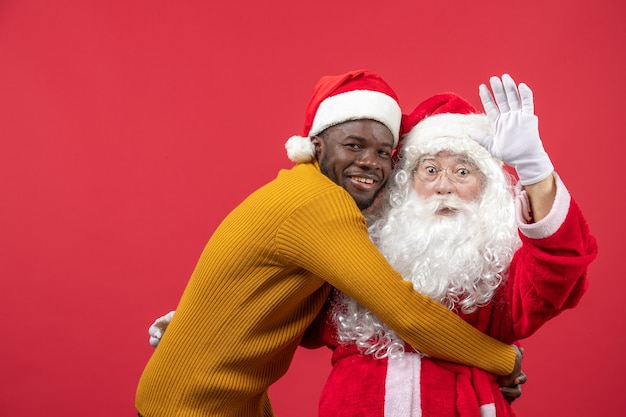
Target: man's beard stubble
{"x":362,"y":204}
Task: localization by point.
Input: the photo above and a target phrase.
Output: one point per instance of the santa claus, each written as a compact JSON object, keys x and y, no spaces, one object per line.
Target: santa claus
{"x":507,"y":258}
{"x":449,"y":224}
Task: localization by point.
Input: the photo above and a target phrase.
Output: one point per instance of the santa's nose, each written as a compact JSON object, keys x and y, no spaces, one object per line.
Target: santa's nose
{"x":443,"y":185}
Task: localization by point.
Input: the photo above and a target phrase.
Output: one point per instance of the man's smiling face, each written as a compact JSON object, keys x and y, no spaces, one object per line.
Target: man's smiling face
{"x":356,"y":155}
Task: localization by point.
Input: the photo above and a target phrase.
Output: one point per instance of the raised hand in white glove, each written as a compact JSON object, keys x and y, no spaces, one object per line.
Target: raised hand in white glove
{"x":157,"y":328}
{"x":515,"y":139}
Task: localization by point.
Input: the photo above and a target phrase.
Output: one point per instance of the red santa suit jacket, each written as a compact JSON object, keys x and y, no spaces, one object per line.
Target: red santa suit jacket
{"x":547,"y":275}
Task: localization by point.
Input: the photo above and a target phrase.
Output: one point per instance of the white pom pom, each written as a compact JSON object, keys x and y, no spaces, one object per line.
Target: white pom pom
{"x":300,"y":149}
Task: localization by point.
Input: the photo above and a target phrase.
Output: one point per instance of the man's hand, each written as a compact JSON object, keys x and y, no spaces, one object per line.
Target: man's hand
{"x":513,"y":392}
{"x":157,"y":328}
{"x":515,"y":139}
{"x":510,"y":385}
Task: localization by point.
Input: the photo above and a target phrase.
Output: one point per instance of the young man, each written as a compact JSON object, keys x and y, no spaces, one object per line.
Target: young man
{"x":449,"y":225}
{"x":270,"y":266}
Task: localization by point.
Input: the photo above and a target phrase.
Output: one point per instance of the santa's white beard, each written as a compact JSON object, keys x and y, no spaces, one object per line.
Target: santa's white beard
{"x":458,"y":259}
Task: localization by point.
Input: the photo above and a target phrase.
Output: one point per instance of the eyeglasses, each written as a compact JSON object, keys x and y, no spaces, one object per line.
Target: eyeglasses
{"x":427,"y":172}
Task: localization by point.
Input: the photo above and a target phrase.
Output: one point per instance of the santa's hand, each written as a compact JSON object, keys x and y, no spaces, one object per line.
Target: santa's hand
{"x":515,"y":139}
{"x":157,"y":328}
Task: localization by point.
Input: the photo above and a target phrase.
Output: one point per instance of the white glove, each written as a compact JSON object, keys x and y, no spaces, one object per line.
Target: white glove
{"x":515,"y":138}
{"x":157,"y":328}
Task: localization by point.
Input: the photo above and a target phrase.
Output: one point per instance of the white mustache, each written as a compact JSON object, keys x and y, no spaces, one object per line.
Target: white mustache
{"x":451,"y":202}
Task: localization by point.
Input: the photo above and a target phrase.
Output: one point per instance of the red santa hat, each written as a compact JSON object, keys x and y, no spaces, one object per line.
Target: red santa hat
{"x":442,"y":122}
{"x":355,"y":95}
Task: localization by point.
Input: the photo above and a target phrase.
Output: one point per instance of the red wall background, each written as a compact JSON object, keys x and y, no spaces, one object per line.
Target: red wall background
{"x":128,"y":129}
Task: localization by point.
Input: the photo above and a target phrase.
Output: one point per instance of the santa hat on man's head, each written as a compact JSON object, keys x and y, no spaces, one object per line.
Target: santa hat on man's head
{"x":355,"y":95}
{"x":442,"y":122}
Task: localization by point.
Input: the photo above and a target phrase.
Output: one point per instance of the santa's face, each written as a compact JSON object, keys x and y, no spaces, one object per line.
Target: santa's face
{"x":447,"y":173}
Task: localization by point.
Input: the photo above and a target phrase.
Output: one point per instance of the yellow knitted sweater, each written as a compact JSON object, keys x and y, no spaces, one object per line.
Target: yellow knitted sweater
{"x":261,"y":280}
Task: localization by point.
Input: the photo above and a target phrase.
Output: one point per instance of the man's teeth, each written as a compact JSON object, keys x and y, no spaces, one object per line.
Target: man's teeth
{"x":363,"y":180}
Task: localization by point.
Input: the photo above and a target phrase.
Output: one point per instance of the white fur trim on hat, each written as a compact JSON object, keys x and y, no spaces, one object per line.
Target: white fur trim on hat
{"x":449,"y":131}
{"x":358,"y":104}
{"x":300,"y":149}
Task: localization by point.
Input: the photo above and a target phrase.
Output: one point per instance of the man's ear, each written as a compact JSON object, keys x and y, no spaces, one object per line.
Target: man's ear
{"x":319,"y":145}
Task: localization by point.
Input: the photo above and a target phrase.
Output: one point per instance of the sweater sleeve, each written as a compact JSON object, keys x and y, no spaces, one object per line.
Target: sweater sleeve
{"x":328,"y":237}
